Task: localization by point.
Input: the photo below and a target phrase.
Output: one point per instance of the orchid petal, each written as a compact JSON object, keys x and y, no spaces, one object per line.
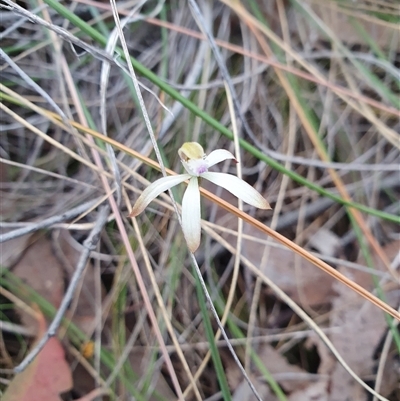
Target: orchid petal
{"x":191,"y":219}
{"x":155,"y":189}
{"x":239,"y":188}
{"x":217,"y":156}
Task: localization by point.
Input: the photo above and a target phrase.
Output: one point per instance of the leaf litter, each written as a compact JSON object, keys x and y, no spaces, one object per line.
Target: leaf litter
{"x":47,"y":377}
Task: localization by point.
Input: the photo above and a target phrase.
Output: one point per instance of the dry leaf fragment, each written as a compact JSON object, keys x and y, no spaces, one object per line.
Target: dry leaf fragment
{"x":301,"y":280}
{"x":313,"y":392}
{"x":243,"y":391}
{"x":358,"y":328}
{"x":40,"y":270}
{"x":12,"y":250}
{"x":84,"y":306}
{"x":46,"y":377}
{"x":279,"y":367}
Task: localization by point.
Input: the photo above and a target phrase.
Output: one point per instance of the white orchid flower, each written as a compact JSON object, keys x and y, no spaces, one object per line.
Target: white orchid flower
{"x":196,"y":164}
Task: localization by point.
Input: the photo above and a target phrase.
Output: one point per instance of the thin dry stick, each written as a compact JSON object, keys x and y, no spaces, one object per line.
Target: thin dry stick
{"x":47,"y":222}
{"x":46,"y":172}
{"x":19,"y":22}
{"x":382,"y":360}
{"x":95,"y":52}
{"x":88,"y":246}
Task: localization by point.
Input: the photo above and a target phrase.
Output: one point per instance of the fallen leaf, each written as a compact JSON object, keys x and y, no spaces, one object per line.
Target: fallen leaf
{"x":41,"y":271}
{"x":12,"y":250}
{"x":301,"y":280}
{"x":279,"y":367}
{"x":314,"y":392}
{"x":357,"y":329}
{"x":84,"y":304}
{"x":46,"y":377}
{"x":243,"y":391}
{"x":141,"y":363}
{"x":289,"y":377}
{"x":325,"y":242}
{"x":298,"y":278}
{"x":98,"y":392}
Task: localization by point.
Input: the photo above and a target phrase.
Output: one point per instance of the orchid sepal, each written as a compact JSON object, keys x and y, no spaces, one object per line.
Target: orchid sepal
{"x":191,"y":215}
{"x":155,"y":189}
{"x":241,"y":189}
{"x":218,"y":156}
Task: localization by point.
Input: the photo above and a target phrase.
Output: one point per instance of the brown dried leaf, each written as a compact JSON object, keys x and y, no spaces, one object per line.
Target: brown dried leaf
{"x":46,"y":377}
{"x":277,"y":365}
{"x":12,"y":250}
{"x":314,"y":392}
{"x":298,"y":278}
{"x":243,"y":391}
{"x":84,"y":304}
{"x":140,"y":364}
{"x":358,"y":326}
{"x":40,"y":270}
